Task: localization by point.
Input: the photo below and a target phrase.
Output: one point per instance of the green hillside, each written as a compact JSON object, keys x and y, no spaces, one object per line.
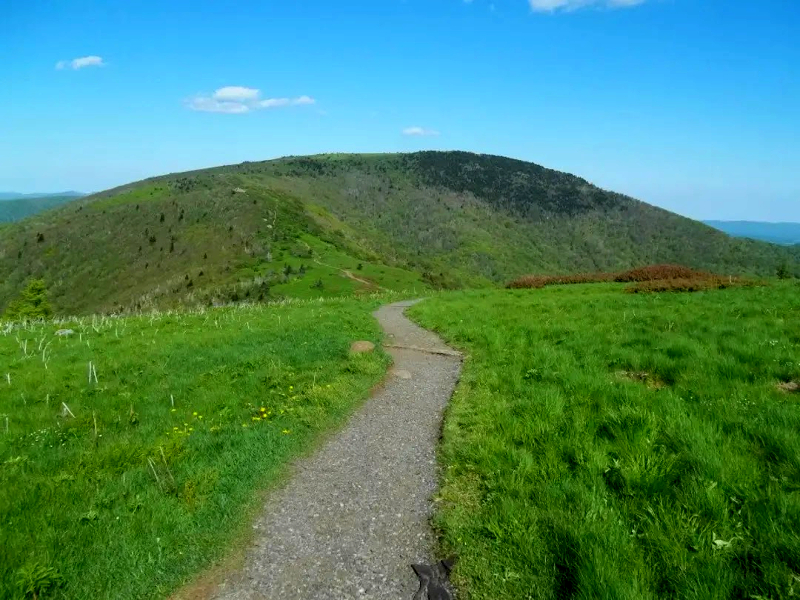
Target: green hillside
{"x":18,"y":209}
{"x":339,"y":224}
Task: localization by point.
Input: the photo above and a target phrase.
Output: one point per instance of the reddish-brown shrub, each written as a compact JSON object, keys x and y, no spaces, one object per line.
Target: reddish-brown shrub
{"x":661,"y":275}
{"x":539,"y":281}
{"x":695,"y":284}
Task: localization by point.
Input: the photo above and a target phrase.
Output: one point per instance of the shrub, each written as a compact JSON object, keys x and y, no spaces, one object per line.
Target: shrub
{"x":695,"y":284}
{"x":540,"y":281}
{"x":32,"y":302}
{"x":649,"y":273}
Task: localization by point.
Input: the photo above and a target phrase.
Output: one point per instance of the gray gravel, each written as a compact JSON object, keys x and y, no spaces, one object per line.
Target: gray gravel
{"x":355,"y":515}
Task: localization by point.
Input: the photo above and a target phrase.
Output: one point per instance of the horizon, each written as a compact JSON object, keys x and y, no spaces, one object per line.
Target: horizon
{"x":202,"y":168}
{"x":689,"y":108}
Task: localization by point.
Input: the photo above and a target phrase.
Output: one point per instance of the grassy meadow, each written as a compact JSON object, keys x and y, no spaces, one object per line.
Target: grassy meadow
{"x":131,"y":451}
{"x":611,"y":445}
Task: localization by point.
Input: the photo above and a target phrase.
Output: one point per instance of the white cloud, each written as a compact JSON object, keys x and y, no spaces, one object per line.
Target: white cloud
{"x":206,"y":104}
{"x":234,"y":99}
{"x":274,"y":103}
{"x":235,"y":93}
{"x":79,"y":63}
{"x":568,"y":5}
{"x":419,"y":131}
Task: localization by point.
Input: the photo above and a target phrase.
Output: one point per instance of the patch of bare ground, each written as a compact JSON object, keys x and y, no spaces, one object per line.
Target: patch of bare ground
{"x":789,"y":387}
{"x":644,"y":377}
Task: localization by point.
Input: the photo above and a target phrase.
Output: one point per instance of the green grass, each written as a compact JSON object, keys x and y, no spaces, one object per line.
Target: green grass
{"x":608,"y":445}
{"x":132,"y":496}
{"x":145,"y":193}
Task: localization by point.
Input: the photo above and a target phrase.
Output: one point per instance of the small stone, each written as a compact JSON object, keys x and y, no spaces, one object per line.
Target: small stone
{"x":362,"y":347}
{"x":401,"y":373}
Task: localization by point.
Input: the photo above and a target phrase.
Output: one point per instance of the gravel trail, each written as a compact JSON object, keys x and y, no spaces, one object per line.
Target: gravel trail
{"x":355,"y":515}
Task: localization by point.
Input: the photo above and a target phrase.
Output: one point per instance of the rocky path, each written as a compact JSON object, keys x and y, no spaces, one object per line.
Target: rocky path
{"x":355,"y":515}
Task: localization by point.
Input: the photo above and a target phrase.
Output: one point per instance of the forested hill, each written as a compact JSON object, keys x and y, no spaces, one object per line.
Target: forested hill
{"x":351,"y":223}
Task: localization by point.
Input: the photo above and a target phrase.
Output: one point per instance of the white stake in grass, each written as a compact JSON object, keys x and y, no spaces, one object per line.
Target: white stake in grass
{"x":92,"y":373}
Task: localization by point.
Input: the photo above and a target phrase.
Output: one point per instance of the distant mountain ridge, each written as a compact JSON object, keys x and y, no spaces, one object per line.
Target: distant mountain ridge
{"x":334,"y":224}
{"x":776,"y":233}
{"x":19,"y":196}
{"x":16,"y":209}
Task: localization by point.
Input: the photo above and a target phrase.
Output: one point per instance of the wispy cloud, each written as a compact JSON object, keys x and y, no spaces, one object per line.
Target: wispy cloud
{"x":80,"y":63}
{"x":419,"y":131}
{"x":568,"y":5}
{"x":235,"y":93}
{"x":234,"y":99}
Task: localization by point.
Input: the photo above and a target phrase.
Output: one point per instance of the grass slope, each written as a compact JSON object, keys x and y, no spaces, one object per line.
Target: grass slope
{"x":443,"y":219}
{"x":609,"y":445}
{"x":18,"y":209}
{"x":189,"y":415}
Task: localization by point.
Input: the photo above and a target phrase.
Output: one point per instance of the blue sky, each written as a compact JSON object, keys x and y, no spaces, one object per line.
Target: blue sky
{"x":693,"y":105}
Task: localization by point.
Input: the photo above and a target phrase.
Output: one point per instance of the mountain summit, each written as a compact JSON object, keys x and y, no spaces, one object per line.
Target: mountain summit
{"x":341,"y":223}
